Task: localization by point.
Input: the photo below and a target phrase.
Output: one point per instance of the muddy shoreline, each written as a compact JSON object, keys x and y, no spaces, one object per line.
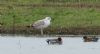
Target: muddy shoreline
{"x":53,"y":31}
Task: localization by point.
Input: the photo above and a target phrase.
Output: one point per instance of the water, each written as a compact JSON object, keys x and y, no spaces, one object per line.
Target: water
{"x":36,"y":45}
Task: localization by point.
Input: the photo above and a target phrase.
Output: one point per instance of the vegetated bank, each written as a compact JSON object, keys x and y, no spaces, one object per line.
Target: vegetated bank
{"x":67,"y":18}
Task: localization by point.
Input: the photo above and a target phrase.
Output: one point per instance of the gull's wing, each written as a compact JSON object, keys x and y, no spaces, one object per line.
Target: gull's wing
{"x":38,"y":23}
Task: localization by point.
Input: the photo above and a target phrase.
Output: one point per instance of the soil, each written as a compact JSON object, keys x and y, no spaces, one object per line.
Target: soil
{"x":60,"y":31}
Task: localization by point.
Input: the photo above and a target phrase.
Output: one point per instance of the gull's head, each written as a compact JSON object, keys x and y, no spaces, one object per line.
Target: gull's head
{"x":48,"y":18}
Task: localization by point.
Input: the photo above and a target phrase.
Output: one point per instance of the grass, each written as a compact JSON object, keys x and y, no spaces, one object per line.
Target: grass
{"x":64,"y":17}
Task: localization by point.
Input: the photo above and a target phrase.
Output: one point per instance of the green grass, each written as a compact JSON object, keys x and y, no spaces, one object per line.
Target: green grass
{"x":63,"y":16}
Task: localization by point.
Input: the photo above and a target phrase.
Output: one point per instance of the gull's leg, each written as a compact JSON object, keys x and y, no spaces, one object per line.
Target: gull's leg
{"x":41,"y":31}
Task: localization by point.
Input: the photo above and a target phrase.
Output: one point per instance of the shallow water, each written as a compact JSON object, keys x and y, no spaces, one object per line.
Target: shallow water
{"x":38,"y":45}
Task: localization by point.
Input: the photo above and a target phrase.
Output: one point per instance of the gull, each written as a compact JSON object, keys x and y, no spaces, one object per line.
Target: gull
{"x":41,"y":24}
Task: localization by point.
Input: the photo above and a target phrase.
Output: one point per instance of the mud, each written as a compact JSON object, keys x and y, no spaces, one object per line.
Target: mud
{"x":50,"y":30}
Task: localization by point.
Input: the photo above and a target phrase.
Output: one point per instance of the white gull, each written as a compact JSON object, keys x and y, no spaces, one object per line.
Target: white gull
{"x":41,"y":24}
